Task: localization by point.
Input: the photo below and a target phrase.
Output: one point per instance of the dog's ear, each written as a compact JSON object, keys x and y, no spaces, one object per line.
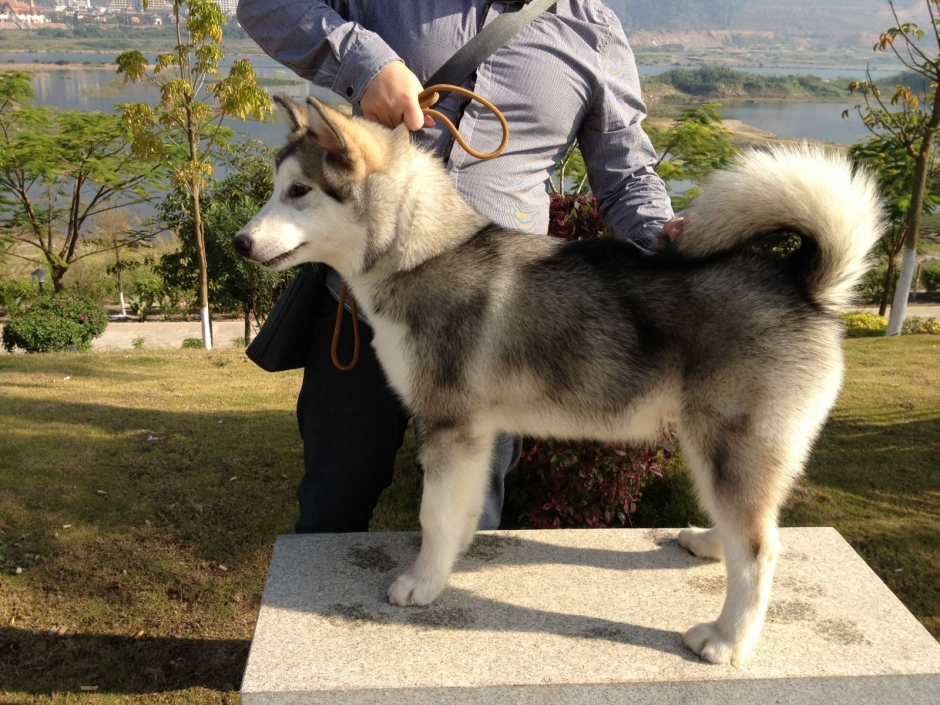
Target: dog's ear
{"x":294,"y":116}
{"x":327,"y":125}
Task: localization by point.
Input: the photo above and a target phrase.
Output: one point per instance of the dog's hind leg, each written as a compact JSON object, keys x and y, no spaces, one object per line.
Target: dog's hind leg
{"x":742,"y":481}
{"x":456,"y":470}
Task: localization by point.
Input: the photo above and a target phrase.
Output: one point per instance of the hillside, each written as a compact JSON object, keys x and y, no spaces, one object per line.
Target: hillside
{"x":810,"y":18}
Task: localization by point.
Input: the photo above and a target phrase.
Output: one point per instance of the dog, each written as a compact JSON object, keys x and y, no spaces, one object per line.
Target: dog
{"x":483,"y":330}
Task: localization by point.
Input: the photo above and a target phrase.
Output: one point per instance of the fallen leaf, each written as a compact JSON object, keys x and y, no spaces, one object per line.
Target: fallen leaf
{"x":66,"y":378}
{"x":101,"y":492}
{"x":222,"y":567}
{"x":233,"y":477}
{"x":66,"y":526}
{"x":140,"y":633}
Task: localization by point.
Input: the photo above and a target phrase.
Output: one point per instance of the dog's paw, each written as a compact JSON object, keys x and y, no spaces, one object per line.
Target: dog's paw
{"x":707,"y":641}
{"x":703,"y":543}
{"x":411,"y":590}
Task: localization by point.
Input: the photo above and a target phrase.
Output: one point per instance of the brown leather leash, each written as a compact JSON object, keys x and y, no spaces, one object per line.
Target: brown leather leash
{"x":427,"y":99}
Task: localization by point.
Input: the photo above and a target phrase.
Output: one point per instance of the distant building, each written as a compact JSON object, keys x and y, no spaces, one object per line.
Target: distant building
{"x":228,"y":7}
{"x":15,"y":11}
{"x":122,"y":5}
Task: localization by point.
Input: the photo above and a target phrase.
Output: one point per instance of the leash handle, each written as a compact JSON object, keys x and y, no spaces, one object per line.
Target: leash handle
{"x":429,"y":97}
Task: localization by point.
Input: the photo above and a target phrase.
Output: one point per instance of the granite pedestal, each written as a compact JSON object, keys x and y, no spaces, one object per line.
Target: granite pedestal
{"x":579,"y":616}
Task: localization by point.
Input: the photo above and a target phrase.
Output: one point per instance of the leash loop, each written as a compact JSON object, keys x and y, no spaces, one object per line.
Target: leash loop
{"x":427,"y":99}
{"x":334,"y":348}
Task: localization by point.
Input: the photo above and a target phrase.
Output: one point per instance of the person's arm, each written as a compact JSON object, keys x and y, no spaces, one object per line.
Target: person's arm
{"x":314,"y":40}
{"x":619,"y":155}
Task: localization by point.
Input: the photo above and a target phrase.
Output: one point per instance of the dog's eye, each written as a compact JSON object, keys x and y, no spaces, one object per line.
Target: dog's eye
{"x":298,"y":190}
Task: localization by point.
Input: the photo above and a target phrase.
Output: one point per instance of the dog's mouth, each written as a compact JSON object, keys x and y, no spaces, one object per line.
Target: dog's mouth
{"x":280,"y":259}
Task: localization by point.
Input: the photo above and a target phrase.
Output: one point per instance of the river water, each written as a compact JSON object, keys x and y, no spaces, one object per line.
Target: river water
{"x":85,"y":89}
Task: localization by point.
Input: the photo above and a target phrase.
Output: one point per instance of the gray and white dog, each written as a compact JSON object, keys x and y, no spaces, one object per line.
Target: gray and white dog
{"x":483,"y":330}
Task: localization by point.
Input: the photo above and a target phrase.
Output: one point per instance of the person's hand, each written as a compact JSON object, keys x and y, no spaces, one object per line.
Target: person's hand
{"x":671,"y":230}
{"x":391,"y":98}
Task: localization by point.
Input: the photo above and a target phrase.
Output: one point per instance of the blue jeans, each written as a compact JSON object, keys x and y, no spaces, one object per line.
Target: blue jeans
{"x":352,"y":426}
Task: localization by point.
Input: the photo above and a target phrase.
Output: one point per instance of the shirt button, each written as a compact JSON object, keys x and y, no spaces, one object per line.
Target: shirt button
{"x":349,"y":91}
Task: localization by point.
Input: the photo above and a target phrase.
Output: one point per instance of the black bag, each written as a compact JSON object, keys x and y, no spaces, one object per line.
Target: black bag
{"x":281,"y":344}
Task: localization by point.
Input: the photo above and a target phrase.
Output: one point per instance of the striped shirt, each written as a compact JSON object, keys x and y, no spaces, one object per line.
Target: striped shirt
{"x":570,"y":74}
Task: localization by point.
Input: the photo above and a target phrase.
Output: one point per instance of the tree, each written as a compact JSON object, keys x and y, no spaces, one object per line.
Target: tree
{"x":911,"y":120}
{"x":692,"y":147}
{"x":894,"y":167}
{"x":185,"y":128}
{"x":61,"y":170}
{"x":235,"y":283}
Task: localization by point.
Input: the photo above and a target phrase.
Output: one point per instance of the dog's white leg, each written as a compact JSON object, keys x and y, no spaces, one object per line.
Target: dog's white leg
{"x":750,"y":561}
{"x":704,"y":543}
{"x":741,"y":481}
{"x":456,"y":469}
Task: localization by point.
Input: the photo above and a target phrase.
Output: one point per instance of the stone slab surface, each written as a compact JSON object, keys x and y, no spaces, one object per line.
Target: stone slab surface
{"x":576,"y":616}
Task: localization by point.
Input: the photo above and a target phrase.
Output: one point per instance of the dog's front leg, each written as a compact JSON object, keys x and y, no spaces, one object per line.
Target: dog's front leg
{"x":456,"y":467}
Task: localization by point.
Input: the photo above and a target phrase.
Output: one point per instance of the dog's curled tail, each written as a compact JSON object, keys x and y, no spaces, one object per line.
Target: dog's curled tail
{"x":804,"y":189}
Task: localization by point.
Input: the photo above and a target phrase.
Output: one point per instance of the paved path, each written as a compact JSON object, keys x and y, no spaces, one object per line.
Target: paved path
{"x":925,"y":310}
{"x":120,"y":335}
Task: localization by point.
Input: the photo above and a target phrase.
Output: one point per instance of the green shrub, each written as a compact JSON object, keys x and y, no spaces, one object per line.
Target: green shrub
{"x":919,"y":325}
{"x":873,"y":283}
{"x":149,"y":291}
{"x":138,"y":343}
{"x":55,"y":322}
{"x":930,"y":278}
{"x":193,"y":343}
{"x":15,"y":293}
{"x":861,"y":325}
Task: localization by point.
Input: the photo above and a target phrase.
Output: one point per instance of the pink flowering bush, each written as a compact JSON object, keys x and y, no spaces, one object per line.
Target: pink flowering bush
{"x":55,"y":322}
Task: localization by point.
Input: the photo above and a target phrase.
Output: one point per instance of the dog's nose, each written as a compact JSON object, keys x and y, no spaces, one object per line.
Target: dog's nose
{"x":242,"y":243}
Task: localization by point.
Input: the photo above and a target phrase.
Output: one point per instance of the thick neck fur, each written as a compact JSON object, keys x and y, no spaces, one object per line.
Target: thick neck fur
{"x":404,"y":206}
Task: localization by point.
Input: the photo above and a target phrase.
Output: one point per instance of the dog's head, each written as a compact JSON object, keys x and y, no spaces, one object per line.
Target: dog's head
{"x":316,"y":210}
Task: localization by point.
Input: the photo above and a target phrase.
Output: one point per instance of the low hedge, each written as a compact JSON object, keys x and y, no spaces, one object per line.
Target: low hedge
{"x":55,"y":322}
{"x":861,"y":325}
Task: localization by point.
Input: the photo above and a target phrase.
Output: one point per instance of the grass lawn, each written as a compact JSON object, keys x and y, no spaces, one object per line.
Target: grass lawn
{"x":141,"y":491}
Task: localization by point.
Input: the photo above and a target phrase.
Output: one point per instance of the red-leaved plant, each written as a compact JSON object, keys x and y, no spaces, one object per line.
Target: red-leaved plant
{"x":585,"y":485}
{"x":575,"y":217}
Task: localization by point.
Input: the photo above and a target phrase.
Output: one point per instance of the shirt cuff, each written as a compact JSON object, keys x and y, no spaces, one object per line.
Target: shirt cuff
{"x":361,"y":65}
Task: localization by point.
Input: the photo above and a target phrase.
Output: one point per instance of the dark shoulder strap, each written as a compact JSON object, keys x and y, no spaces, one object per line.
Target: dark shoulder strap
{"x":465,"y":61}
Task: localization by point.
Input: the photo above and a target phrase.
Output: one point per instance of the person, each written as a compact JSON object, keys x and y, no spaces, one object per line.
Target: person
{"x":569,"y":75}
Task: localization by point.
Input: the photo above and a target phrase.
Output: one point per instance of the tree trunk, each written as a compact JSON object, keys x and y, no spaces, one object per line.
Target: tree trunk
{"x":247,"y":327}
{"x":909,"y":257}
{"x":203,"y":272}
{"x":120,"y":276}
{"x":903,"y":290}
{"x":886,"y":293}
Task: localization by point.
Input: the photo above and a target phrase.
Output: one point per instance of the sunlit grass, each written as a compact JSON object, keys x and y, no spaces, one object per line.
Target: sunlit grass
{"x":171,"y":537}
